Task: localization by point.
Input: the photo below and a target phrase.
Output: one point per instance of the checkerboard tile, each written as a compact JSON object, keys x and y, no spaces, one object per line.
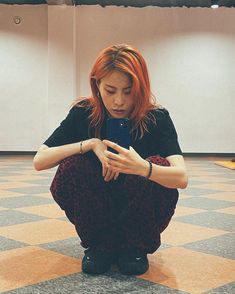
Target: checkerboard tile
{"x":32,"y":265}
{"x":40,"y":251}
{"x":190,"y":271}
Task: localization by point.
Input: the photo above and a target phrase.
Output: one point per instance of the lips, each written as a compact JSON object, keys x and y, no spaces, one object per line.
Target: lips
{"x":118,"y":110}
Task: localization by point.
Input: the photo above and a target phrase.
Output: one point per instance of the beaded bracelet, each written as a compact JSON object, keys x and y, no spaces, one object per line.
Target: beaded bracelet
{"x":150,"y":169}
{"x":80,"y":147}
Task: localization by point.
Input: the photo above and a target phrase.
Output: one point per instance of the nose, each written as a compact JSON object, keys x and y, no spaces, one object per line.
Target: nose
{"x":119,"y":99}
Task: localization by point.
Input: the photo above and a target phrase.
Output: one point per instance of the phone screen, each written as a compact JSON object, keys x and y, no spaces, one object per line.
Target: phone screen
{"x":118,"y":131}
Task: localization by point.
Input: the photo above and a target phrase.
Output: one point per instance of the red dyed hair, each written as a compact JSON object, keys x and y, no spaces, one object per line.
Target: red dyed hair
{"x":129,"y":61}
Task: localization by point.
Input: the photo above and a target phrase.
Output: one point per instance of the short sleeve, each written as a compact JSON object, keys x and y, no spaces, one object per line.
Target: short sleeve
{"x":66,"y":131}
{"x":168,"y":137}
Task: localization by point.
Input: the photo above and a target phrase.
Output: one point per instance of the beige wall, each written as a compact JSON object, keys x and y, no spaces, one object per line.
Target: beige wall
{"x":191,"y":58}
{"x":45,"y":63}
{"x":23,"y":76}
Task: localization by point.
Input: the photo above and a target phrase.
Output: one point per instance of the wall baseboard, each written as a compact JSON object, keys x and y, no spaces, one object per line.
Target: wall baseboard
{"x":17,"y":153}
{"x":202,"y":154}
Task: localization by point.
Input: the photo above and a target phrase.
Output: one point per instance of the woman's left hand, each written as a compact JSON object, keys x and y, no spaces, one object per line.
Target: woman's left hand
{"x":126,"y":161}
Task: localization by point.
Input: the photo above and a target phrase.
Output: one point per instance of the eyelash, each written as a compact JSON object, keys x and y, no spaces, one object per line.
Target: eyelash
{"x":111,"y":92}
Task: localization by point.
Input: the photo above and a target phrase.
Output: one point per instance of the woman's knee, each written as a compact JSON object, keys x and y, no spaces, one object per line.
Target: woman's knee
{"x":157,"y":159}
{"x":81,"y":164}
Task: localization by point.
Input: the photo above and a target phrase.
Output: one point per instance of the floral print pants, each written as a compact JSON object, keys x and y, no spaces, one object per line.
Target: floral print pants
{"x":129,"y":212}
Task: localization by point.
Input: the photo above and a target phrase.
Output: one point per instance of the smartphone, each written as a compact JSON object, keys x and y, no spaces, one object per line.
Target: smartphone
{"x":118,"y":131}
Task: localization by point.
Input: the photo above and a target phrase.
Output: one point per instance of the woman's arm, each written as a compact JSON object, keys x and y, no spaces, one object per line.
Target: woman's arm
{"x":130,"y":162}
{"x":48,"y":157}
{"x":173,"y":176}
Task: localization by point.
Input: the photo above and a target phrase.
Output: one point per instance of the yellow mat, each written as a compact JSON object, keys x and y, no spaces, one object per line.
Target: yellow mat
{"x":226,"y":163}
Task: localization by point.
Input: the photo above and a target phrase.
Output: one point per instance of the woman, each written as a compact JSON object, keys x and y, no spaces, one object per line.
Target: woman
{"x":119,"y":203}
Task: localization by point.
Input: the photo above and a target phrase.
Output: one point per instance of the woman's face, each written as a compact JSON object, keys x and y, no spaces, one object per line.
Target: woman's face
{"x":115,"y":91}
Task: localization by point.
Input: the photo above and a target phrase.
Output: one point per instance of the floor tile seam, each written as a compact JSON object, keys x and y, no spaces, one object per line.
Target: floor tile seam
{"x":198,"y":226}
{"x":55,"y":277}
{"x":210,"y":198}
{"x":200,"y":252}
{"x":41,"y":248}
{"x":44,"y":219}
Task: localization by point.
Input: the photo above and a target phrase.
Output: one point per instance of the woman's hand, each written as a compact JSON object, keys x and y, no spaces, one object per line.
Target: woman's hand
{"x":126,"y":161}
{"x":99,"y":149}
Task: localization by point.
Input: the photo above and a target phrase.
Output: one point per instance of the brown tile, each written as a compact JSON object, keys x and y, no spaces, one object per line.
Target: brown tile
{"x":39,"y":232}
{"x":190,"y":271}
{"x":13,"y":159}
{"x":229,"y":210}
{"x":227,"y":196}
{"x":31,"y":265}
{"x":181,"y":233}
{"x":181,"y":211}
{"x":49,"y":210}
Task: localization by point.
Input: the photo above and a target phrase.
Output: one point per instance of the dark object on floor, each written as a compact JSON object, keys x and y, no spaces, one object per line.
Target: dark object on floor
{"x":96,"y":262}
{"x":133,"y":262}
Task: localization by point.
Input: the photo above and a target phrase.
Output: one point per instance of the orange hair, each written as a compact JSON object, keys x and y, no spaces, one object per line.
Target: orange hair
{"x":129,"y":61}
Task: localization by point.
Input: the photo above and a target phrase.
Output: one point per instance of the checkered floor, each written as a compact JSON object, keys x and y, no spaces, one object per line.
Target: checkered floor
{"x":40,"y":251}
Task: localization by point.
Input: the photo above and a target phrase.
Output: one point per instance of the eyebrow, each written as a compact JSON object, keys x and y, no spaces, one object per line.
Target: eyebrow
{"x":116,"y":88}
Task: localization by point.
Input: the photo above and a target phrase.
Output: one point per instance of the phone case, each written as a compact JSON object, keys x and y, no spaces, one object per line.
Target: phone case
{"x":118,"y":131}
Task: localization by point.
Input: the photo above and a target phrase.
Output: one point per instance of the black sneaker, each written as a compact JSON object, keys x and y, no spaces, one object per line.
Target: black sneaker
{"x":133,"y":262}
{"x":96,"y":261}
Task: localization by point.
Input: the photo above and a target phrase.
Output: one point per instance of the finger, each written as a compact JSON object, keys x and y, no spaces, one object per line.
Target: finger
{"x":104,"y":170}
{"x":111,"y":155}
{"x":115,"y":146}
{"x":108,"y":175}
{"x":116,"y":175}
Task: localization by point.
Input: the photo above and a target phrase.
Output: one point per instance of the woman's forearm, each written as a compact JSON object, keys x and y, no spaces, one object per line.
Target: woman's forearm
{"x":52,"y":156}
{"x":168,"y":176}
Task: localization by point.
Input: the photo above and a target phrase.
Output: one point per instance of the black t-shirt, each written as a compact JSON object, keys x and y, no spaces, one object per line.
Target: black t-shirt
{"x":160,"y":140}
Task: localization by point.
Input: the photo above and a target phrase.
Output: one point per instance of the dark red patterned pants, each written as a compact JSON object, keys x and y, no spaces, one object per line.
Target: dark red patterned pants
{"x":129,"y":212}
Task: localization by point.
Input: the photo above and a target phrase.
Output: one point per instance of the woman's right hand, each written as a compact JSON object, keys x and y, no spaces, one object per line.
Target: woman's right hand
{"x":98,"y":148}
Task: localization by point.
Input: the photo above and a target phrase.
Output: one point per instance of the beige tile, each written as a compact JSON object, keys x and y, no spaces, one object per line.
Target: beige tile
{"x":200,"y":173}
{"x":217,"y":186}
{"x":184,"y":196}
{"x":180,"y":233}
{"x":39,"y":232}
{"x":181,"y":211}
{"x":49,"y":210}
{"x":23,"y":178}
{"x":13,"y":185}
{"x":27,"y":172}
{"x":227,"y":196}
{"x":190,"y":271}
{"x":5,"y":193}
{"x":211,"y":179}
{"x":229,"y":210}
{"x":46,"y":195}
{"x":30,"y":265}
